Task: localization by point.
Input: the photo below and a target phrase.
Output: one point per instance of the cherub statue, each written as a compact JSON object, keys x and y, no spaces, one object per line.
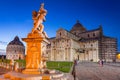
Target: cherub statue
{"x":39,"y":18}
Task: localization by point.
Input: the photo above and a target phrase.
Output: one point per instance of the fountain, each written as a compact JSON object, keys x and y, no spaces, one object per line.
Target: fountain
{"x":34,"y":40}
{"x":35,"y":68}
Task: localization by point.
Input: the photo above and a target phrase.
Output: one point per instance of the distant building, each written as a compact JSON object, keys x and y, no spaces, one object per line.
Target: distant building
{"x":15,"y":49}
{"x":82,"y":44}
{"x":2,"y":56}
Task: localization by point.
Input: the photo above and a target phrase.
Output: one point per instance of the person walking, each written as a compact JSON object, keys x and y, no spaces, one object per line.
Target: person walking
{"x":101,"y":63}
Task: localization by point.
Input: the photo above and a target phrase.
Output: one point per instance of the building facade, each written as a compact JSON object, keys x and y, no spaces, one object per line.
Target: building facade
{"x":15,"y":49}
{"x":82,"y":44}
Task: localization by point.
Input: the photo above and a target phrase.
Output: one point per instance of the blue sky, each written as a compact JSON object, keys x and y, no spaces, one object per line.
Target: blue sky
{"x":16,"y":16}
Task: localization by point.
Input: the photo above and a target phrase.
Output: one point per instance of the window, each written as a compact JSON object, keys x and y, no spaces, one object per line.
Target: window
{"x":94,"y":34}
{"x":88,"y":35}
{"x":84,"y":46}
{"x":75,"y":33}
{"x":60,"y":33}
{"x":91,"y":45}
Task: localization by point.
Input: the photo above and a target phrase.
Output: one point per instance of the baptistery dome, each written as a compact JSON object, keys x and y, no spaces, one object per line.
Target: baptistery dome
{"x":15,"y":49}
{"x":16,"y":41}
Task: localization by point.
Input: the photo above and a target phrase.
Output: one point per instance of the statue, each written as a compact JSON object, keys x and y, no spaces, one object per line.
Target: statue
{"x":39,"y":18}
{"x":35,"y":40}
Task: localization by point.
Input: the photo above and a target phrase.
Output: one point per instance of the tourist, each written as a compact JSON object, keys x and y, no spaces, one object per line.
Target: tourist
{"x":75,"y":62}
{"x":101,"y":63}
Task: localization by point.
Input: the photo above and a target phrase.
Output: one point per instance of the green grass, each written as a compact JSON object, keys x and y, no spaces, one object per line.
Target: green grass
{"x":21,"y":63}
{"x":58,"y":65}
{"x":5,"y":60}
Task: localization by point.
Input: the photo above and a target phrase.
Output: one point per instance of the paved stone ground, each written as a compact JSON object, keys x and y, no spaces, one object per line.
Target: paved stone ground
{"x":93,"y":71}
{"x":117,"y":64}
{"x":3,"y":71}
{"x":66,"y":76}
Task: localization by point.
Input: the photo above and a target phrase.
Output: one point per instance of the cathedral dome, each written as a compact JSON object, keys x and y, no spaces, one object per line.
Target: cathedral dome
{"x":16,"y":41}
{"x":78,"y":28}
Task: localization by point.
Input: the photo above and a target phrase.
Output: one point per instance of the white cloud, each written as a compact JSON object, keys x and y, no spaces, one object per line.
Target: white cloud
{"x":3,"y":46}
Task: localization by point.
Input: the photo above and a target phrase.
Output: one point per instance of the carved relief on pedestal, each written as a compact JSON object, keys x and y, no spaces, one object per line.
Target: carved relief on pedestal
{"x":33,"y":56}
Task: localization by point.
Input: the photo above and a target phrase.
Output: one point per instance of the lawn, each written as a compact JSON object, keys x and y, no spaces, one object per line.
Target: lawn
{"x":5,"y":60}
{"x":57,"y":65}
{"x":60,"y":65}
{"x":21,"y":63}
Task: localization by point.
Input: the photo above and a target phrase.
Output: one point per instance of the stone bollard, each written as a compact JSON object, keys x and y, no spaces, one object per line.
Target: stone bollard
{"x":12,"y":64}
{"x":8,"y":66}
{"x":4,"y":65}
{"x":16,"y":66}
{"x":0,"y":64}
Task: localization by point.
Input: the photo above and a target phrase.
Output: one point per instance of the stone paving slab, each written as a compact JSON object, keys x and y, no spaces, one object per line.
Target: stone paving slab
{"x":3,"y":71}
{"x":93,"y":71}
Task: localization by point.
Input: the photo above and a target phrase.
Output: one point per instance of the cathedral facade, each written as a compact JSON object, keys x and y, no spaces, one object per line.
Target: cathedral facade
{"x":82,"y":44}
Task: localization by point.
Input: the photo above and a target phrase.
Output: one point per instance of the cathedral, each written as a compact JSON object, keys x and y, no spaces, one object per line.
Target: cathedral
{"x":81,"y":44}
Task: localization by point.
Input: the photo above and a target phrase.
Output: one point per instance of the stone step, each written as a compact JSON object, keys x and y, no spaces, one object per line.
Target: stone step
{"x":19,"y":76}
{"x":2,"y":78}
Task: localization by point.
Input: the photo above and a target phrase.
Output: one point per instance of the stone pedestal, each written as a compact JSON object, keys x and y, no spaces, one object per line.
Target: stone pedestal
{"x":33,"y":53}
